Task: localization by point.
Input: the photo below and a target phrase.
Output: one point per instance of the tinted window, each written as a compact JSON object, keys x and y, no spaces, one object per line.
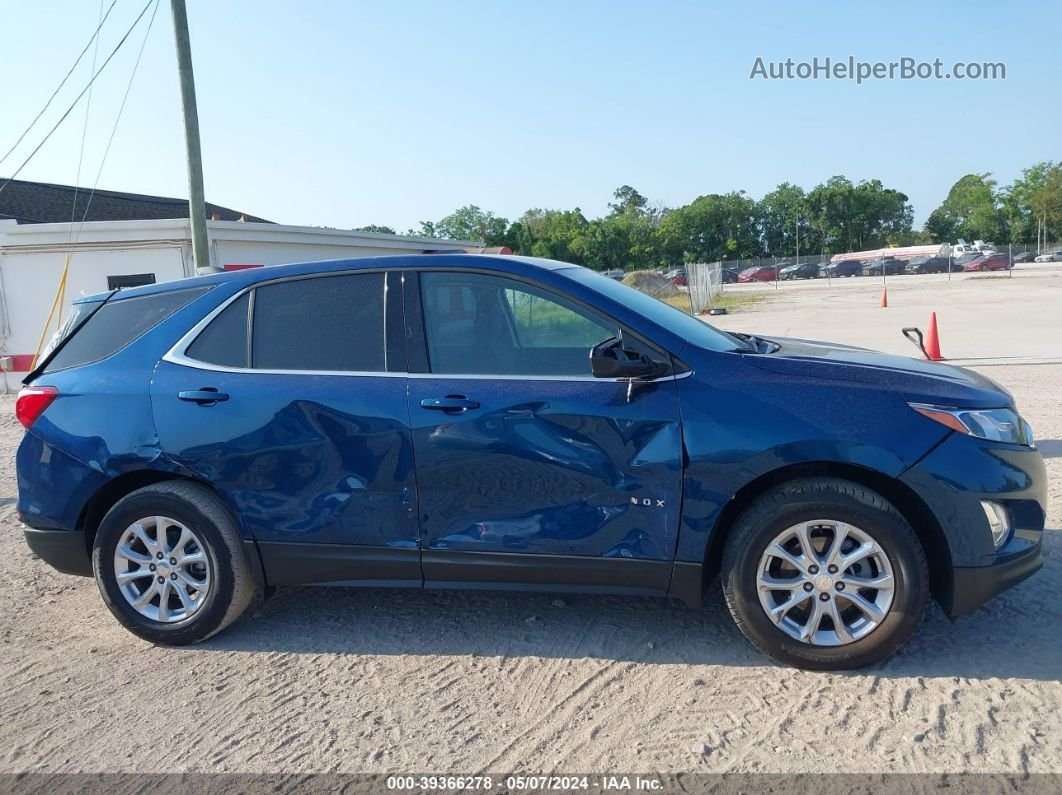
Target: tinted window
{"x":79,"y":313}
{"x":116,"y":324}
{"x":323,"y":323}
{"x":546,"y":323}
{"x":224,"y":341}
{"x":477,"y":324}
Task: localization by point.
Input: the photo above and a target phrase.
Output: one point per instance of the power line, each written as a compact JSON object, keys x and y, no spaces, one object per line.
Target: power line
{"x":95,"y":37}
{"x":114,"y":129}
{"x":84,"y":130}
{"x":79,"y":96}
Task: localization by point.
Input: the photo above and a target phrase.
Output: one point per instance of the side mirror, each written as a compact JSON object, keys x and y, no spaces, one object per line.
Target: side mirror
{"x":610,"y":359}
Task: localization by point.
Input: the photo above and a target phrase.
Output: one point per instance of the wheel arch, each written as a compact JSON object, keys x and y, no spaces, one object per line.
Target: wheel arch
{"x":906,"y":501}
{"x":107,"y":495}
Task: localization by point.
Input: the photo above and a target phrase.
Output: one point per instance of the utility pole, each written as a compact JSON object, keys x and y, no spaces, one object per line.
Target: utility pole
{"x":196,"y":199}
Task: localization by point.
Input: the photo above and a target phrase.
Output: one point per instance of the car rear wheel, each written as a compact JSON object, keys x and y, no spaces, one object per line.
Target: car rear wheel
{"x":824,"y":574}
{"x":170,"y":565}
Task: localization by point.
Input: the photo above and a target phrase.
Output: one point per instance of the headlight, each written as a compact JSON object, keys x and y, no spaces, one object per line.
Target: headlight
{"x":995,"y":425}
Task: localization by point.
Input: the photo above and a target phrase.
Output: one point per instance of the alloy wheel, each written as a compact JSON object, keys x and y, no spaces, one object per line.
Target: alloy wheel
{"x":825,"y":582}
{"x":162,"y":569}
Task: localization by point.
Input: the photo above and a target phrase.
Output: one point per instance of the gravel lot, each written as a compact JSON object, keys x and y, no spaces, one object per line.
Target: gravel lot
{"x":378,"y":681}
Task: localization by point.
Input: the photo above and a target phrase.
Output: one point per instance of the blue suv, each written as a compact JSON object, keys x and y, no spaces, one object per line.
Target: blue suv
{"x":504,"y":422}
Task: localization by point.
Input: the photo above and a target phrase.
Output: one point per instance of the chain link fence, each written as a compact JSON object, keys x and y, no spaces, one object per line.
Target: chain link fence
{"x":705,"y":280}
{"x":771,"y":267}
{"x":1022,"y":251}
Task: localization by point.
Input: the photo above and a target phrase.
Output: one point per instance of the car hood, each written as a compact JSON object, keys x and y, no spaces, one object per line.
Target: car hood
{"x":916,"y":380}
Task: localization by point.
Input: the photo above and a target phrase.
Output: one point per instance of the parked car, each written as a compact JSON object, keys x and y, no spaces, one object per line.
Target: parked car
{"x":677,"y":277}
{"x":1054,"y":256}
{"x":1024,"y":256}
{"x":960,"y":262}
{"x":616,"y":273}
{"x":730,"y":276}
{"x":506,"y":422}
{"x":759,"y":273}
{"x":890,"y":265}
{"x":845,"y":267}
{"x":928,"y":265}
{"x":809,"y":270}
{"x":993,"y":262}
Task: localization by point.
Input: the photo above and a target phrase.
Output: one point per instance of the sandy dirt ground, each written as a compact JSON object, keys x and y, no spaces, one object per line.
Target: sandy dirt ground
{"x":319,"y":680}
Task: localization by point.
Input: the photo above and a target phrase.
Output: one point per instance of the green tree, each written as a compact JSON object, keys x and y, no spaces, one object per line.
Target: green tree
{"x":619,"y":241}
{"x":712,"y":227}
{"x":972,"y":211}
{"x":1046,"y":203}
{"x":472,"y":223}
{"x":847,"y":217}
{"x":1025,"y":201}
{"x":426,"y":229}
{"x":780,"y":213}
{"x":384,"y":230}
{"x":554,"y":234}
{"x":628,"y":201}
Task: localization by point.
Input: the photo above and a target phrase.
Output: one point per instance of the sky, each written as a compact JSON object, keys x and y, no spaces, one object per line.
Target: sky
{"x":343,"y":114}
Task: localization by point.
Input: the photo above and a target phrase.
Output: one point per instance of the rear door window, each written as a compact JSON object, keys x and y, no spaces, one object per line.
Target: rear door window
{"x":115,"y":325}
{"x":322,"y":324}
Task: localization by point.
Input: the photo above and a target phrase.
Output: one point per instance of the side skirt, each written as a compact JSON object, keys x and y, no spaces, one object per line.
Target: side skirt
{"x":514,"y":571}
{"x":360,"y":566}
{"x":304,"y":564}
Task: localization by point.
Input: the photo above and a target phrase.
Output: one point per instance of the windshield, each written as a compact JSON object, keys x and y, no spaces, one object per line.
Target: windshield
{"x":663,"y":314}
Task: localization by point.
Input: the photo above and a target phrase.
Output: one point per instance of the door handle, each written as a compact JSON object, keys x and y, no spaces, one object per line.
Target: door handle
{"x":207,"y":396}
{"x":454,"y":404}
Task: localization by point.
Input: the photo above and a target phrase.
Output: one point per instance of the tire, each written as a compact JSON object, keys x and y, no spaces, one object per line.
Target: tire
{"x":219,"y":583}
{"x":900,"y":558}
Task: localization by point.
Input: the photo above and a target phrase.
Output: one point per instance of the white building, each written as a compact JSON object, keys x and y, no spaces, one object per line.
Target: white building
{"x":120,"y":253}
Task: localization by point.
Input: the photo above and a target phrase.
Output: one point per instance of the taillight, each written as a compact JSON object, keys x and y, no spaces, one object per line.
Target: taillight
{"x":32,"y":401}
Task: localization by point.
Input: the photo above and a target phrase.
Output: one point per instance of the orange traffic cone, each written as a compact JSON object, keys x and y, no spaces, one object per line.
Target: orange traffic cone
{"x":884,"y":297}
{"x":933,"y":340}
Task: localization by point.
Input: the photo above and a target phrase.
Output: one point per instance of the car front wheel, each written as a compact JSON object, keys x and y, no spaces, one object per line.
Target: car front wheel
{"x":169,"y":563}
{"x":825,"y":574}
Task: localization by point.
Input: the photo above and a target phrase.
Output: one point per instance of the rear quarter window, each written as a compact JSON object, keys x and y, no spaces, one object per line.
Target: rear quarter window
{"x":115,"y":325}
{"x":224,"y":341}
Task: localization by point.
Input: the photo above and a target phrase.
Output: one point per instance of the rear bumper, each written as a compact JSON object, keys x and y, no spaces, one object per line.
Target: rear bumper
{"x":973,"y":586}
{"x":63,"y":550}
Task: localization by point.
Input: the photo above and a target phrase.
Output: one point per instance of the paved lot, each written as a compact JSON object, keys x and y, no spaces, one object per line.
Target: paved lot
{"x":337,"y":680}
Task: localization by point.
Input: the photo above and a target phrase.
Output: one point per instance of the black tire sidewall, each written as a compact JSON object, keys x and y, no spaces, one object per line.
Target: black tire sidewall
{"x":888,"y":530}
{"x":206,"y":619}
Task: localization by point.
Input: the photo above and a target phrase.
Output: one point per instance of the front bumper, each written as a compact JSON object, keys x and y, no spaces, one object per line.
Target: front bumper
{"x":64,"y":550}
{"x":952,"y":481}
{"x":972,"y":586}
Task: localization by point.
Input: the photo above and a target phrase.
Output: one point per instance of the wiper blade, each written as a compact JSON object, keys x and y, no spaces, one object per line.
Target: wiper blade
{"x":758,"y":344}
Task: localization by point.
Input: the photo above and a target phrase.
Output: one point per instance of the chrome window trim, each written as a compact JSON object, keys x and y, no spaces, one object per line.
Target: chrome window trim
{"x":176,"y":355}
